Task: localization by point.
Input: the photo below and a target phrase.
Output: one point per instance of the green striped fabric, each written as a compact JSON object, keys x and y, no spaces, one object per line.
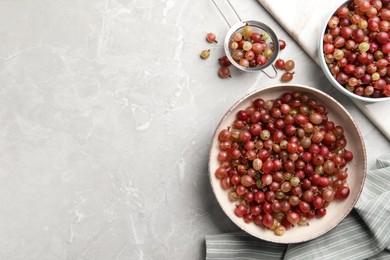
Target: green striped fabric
{"x":363,"y":234}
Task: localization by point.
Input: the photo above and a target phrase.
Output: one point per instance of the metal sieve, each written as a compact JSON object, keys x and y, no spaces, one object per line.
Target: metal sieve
{"x":258,"y":27}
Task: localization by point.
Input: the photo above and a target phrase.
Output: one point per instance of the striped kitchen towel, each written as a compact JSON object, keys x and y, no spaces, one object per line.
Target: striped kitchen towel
{"x":363,"y":234}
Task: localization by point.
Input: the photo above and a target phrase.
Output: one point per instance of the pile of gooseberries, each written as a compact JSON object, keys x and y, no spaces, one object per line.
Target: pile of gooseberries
{"x":249,"y":48}
{"x":288,"y":66}
{"x":356,"y":47}
{"x":283,"y":161}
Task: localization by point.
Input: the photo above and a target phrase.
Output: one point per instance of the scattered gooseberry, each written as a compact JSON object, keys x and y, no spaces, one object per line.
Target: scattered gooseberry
{"x":205,"y":54}
{"x":211,"y":37}
{"x":282,"y":44}
{"x":287,"y":76}
{"x":224,"y":72}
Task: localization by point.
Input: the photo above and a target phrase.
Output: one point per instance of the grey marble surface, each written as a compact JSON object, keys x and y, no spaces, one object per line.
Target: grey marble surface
{"x":106,"y":117}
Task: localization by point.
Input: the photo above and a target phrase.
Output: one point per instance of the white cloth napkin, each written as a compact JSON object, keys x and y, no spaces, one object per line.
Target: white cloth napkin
{"x":363,"y":234}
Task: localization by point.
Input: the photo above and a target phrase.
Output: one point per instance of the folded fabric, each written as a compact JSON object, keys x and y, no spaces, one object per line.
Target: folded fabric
{"x":363,"y":234}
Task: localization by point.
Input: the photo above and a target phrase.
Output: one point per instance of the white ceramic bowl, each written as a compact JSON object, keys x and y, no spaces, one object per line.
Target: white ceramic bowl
{"x":329,"y":74}
{"x":337,"y":210}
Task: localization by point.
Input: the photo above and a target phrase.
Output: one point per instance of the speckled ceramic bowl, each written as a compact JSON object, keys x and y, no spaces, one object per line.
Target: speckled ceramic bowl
{"x":329,"y":75}
{"x":337,"y":210}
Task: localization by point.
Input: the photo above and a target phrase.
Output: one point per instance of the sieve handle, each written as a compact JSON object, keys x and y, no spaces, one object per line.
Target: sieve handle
{"x":224,"y":17}
{"x":271,"y":77}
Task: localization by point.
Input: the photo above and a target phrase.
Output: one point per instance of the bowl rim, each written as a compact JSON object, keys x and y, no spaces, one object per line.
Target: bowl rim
{"x":326,"y":71}
{"x":301,"y":88}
